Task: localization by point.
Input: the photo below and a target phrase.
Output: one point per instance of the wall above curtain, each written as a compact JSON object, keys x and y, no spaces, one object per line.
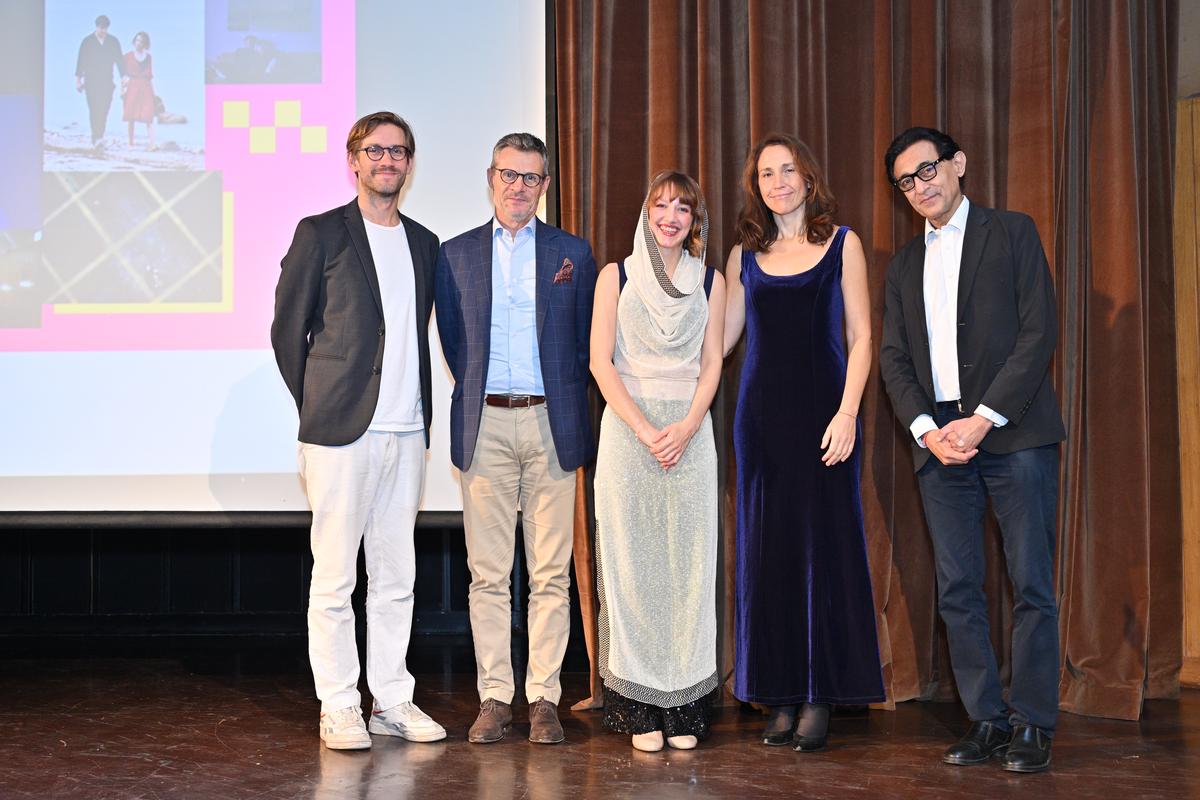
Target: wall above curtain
{"x":1066,"y":112}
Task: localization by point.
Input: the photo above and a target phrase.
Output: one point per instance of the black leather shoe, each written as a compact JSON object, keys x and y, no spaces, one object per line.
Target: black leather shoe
{"x":983,"y":740}
{"x":1029,"y":750}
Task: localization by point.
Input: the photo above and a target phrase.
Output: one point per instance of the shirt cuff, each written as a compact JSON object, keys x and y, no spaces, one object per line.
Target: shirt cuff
{"x":999,"y":420}
{"x":921,"y":426}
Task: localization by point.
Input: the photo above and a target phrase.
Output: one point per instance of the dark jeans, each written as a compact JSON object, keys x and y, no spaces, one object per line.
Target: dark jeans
{"x":99,"y":100}
{"x":1023,"y":487}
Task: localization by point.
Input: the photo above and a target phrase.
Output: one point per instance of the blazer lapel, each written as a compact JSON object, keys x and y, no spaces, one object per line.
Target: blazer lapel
{"x":915,"y":288}
{"x":483,"y":309}
{"x":547,"y":267}
{"x":358,"y":235}
{"x":419,"y":266}
{"x":485,"y":280}
{"x":974,"y":242}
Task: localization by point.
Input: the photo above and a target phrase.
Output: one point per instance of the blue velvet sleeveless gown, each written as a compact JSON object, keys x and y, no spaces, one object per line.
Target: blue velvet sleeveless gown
{"x":805,"y":616}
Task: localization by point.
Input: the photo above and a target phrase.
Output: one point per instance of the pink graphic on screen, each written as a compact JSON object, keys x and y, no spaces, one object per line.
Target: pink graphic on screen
{"x":270,"y":191}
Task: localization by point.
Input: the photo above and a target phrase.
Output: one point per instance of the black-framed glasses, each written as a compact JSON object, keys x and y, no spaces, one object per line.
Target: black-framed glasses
{"x":530,"y":179}
{"x":398,"y":152}
{"x":926,"y":172}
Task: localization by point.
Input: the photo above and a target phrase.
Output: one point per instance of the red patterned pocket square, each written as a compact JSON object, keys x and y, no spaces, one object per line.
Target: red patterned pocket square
{"x":564,"y":272}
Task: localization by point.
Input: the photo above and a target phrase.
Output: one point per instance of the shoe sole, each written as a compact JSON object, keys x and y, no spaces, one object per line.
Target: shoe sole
{"x":481,"y":740}
{"x":548,"y":741}
{"x":382,"y":730}
{"x":963,"y":762}
{"x":347,"y":745}
{"x":1027,"y":770}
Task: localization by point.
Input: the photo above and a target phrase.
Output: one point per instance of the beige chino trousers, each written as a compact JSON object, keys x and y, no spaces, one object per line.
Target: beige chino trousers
{"x":515,"y":465}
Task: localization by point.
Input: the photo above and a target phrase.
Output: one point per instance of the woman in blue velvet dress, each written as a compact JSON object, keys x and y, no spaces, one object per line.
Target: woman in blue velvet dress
{"x":798,"y":285}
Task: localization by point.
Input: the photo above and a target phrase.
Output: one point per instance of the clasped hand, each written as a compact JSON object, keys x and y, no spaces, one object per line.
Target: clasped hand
{"x":667,"y":444}
{"x":958,"y":442}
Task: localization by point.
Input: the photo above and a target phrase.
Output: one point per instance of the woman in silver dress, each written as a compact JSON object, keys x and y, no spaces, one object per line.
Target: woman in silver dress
{"x":656,"y":354}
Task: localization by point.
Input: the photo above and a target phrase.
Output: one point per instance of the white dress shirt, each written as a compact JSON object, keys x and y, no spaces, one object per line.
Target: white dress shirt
{"x":943,"y":259}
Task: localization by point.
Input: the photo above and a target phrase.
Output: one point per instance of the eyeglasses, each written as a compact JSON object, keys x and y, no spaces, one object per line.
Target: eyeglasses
{"x":926,"y":172}
{"x":530,"y":179}
{"x":375,"y":152}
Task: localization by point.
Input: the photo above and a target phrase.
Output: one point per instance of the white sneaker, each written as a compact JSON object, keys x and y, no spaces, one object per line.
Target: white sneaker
{"x":407,"y":721}
{"x":344,"y":729}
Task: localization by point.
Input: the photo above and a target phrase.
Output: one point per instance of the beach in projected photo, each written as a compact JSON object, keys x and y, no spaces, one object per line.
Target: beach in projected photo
{"x":124,"y":86}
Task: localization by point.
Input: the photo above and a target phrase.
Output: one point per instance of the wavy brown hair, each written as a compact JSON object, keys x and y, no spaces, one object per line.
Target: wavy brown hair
{"x":677,"y":184}
{"x":756,"y":230}
{"x":365,"y":126}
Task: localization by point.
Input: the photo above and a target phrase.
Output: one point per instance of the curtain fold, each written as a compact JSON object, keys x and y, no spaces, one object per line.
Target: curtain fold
{"x":1065,"y":111}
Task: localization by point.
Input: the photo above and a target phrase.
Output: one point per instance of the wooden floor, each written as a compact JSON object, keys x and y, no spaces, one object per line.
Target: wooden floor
{"x":220,"y":720}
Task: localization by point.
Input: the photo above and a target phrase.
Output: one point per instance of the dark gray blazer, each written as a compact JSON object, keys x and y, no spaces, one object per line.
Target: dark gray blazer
{"x":1007,"y":329}
{"x":566,"y":283}
{"x":328,"y":332}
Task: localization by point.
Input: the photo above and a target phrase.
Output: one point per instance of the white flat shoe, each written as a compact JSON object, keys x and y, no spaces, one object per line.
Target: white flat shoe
{"x":682,"y":742}
{"x":648,"y":742}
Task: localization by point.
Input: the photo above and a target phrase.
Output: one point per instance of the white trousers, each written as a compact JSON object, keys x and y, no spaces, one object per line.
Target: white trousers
{"x":365,"y":492}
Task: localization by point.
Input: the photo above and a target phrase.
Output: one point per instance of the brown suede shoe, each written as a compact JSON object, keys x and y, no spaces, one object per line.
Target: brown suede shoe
{"x":492,"y":722}
{"x":544,"y":727}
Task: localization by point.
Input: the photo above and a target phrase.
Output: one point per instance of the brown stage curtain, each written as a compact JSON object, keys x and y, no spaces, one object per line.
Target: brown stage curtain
{"x":1065,"y":110}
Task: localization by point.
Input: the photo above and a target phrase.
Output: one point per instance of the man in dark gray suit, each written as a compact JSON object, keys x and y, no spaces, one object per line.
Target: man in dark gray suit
{"x":99,"y":54}
{"x":355,"y":279}
{"x":969,"y":327}
{"x":514,"y":311}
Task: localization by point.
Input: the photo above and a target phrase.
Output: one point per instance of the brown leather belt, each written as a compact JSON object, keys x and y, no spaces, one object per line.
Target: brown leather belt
{"x":514,"y":400}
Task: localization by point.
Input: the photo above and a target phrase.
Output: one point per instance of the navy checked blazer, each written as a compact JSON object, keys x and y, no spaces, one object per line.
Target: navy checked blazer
{"x":566,"y":282}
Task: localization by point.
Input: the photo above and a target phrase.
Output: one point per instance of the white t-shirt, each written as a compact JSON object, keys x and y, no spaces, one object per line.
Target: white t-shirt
{"x":399,"y":405}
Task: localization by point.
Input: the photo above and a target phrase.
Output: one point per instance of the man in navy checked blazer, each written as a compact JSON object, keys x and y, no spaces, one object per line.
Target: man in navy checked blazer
{"x":514,"y":312}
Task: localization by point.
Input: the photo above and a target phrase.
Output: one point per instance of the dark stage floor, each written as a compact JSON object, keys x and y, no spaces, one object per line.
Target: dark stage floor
{"x":237,"y":720}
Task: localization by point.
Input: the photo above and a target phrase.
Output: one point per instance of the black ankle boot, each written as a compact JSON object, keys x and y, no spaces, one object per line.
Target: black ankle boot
{"x":1028,"y":751}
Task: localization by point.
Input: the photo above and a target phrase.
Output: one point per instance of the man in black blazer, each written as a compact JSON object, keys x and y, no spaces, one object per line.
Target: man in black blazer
{"x":99,"y":53}
{"x":968,"y":333}
{"x":514,"y":313}
{"x":351,"y":339}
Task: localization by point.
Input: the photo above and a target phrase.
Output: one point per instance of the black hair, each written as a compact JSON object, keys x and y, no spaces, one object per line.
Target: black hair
{"x":945,"y":146}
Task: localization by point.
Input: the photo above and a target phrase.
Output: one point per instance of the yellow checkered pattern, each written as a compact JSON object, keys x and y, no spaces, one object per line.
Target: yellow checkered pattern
{"x":262,"y":139}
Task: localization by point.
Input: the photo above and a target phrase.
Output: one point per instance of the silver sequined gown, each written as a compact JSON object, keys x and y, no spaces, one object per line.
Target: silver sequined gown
{"x":656,"y":530}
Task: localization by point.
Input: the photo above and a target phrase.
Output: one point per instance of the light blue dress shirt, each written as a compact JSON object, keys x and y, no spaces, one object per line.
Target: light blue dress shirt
{"x":514,"y":365}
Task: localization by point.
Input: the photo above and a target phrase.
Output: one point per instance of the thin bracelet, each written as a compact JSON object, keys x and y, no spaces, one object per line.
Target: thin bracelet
{"x":848,"y":414}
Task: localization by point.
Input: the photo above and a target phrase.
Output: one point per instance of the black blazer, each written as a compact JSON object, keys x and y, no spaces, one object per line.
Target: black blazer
{"x":328,"y":334}
{"x":95,"y":61}
{"x":1007,"y":329}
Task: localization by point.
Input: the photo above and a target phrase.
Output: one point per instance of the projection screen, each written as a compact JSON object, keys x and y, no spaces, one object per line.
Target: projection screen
{"x":137,"y":280}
